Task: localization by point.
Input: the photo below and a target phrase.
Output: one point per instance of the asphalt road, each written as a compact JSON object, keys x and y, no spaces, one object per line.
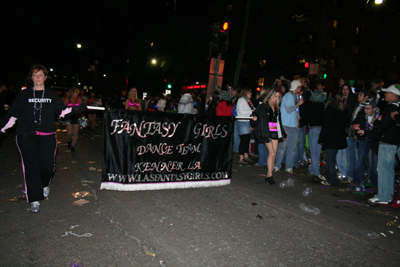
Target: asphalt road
{"x":248,"y":223}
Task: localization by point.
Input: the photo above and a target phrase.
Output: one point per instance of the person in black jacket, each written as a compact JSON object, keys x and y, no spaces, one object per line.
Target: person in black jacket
{"x":268,"y":127}
{"x":333,"y":135}
{"x":368,"y":139}
{"x":389,"y":145}
{"x":316,"y":107}
{"x":35,"y":110}
{"x":349,"y":101}
{"x":303,"y":118}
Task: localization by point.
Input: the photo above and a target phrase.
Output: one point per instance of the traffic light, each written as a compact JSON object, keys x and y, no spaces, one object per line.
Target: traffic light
{"x":214,"y":37}
{"x":219,"y":37}
{"x":169,"y":86}
{"x":322,"y":69}
{"x":307,"y":65}
{"x":223,"y":36}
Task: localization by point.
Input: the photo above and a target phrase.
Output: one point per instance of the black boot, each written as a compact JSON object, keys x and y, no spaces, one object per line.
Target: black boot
{"x":270,"y":180}
{"x":69,"y":144}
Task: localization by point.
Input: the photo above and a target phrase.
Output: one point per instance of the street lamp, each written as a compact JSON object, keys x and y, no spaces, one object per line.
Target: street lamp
{"x":79,"y":46}
{"x":153,"y":61}
{"x":378,"y":2}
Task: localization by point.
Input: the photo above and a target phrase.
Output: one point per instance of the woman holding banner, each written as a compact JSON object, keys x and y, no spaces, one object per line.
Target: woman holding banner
{"x":244,"y":108}
{"x":268,"y":127}
{"x":35,"y":111}
{"x":133,"y":102}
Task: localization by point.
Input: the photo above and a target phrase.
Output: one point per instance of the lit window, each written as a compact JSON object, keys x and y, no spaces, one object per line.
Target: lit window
{"x":357,"y":30}
{"x":262,"y":62}
{"x":335,"y":23}
{"x":310,"y":37}
{"x":333,"y":43}
{"x":333,"y":63}
{"x":394,"y":59}
{"x":355,"y":49}
{"x":261,"y":82}
{"x":302,"y":59}
{"x":353,"y":67}
{"x":393,"y":75}
{"x":229,"y":7}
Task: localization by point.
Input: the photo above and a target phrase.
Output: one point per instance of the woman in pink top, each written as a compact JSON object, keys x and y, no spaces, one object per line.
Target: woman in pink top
{"x":73,"y":100}
{"x":133,"y":102}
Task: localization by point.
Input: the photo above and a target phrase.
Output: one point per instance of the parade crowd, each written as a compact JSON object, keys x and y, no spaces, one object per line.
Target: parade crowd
{"x":291,"y":123}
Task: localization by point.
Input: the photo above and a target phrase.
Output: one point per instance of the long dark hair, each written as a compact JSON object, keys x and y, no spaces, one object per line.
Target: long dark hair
{"x":336,"y":98}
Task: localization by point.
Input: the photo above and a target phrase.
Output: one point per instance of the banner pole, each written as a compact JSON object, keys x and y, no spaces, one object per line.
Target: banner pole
{"x":96,"y":108}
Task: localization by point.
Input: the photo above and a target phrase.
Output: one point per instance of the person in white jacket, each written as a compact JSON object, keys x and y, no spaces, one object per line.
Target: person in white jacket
{"x":244,"y":108}
{"x":186,"y":104}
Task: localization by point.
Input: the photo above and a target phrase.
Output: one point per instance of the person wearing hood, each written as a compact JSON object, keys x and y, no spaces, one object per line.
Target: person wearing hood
{"x":333,"y":135}
{"x":351,"y":151}
{"x":389,"y":145}
{"x":368,"y":139}
{"x":225,"y":106}
{"x":316,"y":106}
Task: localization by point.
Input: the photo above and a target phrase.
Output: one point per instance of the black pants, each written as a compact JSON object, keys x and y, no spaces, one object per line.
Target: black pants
{"x":244,"y":143}
{"x":38,"y":163}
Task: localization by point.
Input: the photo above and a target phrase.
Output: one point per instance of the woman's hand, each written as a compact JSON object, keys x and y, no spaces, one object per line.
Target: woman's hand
{"x":360,"y":132}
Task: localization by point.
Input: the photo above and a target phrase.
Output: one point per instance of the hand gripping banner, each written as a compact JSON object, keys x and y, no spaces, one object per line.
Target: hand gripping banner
{"x":151,"y":151}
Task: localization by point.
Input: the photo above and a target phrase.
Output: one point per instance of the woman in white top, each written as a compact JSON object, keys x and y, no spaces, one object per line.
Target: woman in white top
{"x":244,"y":108}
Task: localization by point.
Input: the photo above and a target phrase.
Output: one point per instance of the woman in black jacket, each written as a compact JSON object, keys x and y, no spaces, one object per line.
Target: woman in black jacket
{"x":333,"y":135}
{"x":268,"y":127}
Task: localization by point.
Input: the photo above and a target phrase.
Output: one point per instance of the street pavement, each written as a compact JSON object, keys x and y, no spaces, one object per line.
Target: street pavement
{"x":248,"y":223}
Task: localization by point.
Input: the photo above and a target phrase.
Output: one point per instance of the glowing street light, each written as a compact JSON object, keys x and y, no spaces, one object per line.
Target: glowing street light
{"x":79,"y":46}
{"x":153,"y":61}
{"x":378,"y":2}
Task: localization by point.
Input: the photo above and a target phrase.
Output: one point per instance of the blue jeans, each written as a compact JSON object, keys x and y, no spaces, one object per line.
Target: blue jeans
{"x":243,"y":127}
{"x":363,"y":148}
{"x":330,"y":174}
{"x":291,"y":147}
{"x":315,"y":149}
{"x":386,"y":164}
{"x":302,"y":140}
{"x":262,"y":154}
{"x":280,"y":154}
{"x":341,"y":161}
{"x":236,"y":139}
{"x":351,"y":156}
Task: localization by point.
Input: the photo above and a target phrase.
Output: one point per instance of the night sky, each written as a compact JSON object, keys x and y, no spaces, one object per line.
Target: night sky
{"x":111,"y":32}
{"x":114,"y":31}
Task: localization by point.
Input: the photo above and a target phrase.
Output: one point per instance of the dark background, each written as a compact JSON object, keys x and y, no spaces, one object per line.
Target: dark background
{"x":118,"y":35}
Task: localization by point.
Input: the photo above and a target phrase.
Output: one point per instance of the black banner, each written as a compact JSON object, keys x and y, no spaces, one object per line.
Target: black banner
{"x":150,"y":151}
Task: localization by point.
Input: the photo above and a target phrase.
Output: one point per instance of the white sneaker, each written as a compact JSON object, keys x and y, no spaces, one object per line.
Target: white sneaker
{"x":46,"y":191}
{"x":377,"y":200}
{"x":289,"y":170}
{"x":35,"y":207}
{"x":275,"y":169}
